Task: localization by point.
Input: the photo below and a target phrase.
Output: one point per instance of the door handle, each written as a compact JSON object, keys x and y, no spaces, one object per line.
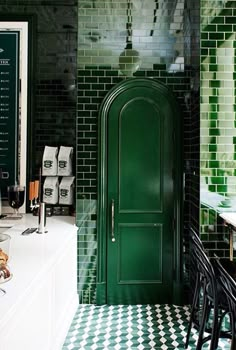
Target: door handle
{"x":113,"y":220}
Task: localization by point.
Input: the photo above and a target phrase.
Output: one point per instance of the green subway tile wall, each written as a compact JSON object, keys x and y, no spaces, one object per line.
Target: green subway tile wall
{"x":162,"y":35}
{"x":218,"y":132}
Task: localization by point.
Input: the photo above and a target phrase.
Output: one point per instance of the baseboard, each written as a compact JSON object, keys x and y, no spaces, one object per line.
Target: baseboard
{"x":178,"y":294}
{"x":101,"y":297}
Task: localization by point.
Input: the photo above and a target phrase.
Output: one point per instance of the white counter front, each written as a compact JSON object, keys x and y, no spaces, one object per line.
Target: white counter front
{"x":41,"y":298}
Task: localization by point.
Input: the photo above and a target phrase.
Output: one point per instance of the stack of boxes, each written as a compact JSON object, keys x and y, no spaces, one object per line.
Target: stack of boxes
{"x":58,"y":185}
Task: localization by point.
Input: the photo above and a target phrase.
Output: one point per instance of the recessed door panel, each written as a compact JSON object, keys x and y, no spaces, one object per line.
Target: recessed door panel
{"x":135,"y":243}
{"x":140,"y":157}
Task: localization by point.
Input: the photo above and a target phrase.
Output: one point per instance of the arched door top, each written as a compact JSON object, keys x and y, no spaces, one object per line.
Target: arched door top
{"x":157,"y":86}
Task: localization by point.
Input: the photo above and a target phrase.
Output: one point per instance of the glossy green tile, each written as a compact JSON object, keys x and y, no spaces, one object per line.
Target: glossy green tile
{"x":212,"y":148}
{"x":212,"y":188}
{"x":213,"y":164}
{"x":230,"y":20}
{"x":208,"y":43}
{"x":222,"y":189}
{"x":111,"y":73}
{"x":213,"y":132}
{"x":206,"y":36}
{"x":213,"y":124}
{"x":213,"y":67}
{"x":141,"y":73}
{"x":216,"y":36}
{"x":213,"y":116}
{"x":97,"y":72}
{"x":225,"y":28}
{"x":217,"y":180}
{"x":204,"y":52}
{"x":210,"y":28}
{"x":213,"y":99}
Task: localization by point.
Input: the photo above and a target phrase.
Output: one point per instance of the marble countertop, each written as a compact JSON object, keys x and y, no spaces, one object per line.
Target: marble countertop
{"x":31,"y":256}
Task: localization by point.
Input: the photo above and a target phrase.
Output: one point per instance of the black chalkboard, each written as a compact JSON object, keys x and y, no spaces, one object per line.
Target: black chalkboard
{"x":9,"y":109}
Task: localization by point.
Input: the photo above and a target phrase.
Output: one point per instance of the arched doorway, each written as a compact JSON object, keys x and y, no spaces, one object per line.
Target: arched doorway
{"x":140,"y":195}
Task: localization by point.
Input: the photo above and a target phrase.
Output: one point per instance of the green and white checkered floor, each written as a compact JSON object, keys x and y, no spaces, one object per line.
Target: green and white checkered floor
{"x":128,"y":327}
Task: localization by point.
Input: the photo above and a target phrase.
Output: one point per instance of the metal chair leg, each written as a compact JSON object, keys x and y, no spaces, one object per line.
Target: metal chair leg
{"x":202,"y":323}
{"x":194,"y":310}
{"x":233,"y":329}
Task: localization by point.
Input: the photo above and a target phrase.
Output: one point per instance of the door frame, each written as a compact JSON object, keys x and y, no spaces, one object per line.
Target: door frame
{"x":101,"y":290}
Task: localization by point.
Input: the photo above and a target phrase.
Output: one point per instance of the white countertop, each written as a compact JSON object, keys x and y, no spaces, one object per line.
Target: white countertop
{"x":230,"y":218}
{"x":32,"y":255}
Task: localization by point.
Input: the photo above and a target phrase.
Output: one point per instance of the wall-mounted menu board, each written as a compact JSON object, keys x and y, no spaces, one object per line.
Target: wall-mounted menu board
{"x":9,"y":108}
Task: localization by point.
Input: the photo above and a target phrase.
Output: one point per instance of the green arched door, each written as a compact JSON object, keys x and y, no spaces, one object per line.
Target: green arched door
{"x":139,"y":229}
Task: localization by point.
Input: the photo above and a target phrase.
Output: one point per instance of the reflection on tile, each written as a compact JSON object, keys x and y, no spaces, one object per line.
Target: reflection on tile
{"x":155,"y":24}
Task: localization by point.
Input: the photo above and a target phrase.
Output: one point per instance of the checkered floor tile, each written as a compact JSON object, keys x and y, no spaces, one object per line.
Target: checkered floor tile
{"x":129,"y":327}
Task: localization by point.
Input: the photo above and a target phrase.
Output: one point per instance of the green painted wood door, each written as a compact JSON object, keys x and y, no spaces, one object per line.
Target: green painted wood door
{"x":140,"y":197}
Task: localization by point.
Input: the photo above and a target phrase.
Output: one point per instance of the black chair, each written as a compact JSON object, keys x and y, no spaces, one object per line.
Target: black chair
{"x":207,"y":301}
{"x":228,"y":285}
{"x":195,"y":309}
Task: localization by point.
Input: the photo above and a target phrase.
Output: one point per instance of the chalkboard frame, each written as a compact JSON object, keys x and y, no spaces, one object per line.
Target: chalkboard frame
{"x":9,"y":111}
{"x":31,"y":19}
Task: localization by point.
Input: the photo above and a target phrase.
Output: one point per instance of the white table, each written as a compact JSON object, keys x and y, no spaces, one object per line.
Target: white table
{"x":230,"y":220}
{"x":41,"y":298}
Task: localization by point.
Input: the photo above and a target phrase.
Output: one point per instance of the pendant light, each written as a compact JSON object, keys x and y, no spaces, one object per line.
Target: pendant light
{"x":129,"y":60}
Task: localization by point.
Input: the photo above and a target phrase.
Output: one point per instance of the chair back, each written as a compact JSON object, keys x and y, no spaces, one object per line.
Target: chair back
{"x":204,"y":267}
{"x":195,"y":237}
{"x":211,"y":308}
{"x":227,"y":283}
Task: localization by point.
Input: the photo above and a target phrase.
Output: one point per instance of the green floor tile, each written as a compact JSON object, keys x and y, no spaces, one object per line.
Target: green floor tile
{"x":128,"y":327}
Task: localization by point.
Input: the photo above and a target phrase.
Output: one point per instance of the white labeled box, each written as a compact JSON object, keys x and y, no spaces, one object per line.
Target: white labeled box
{"x":64,"y":165}
{"x":66,"y":190}
{"x":50,"y":190}
{"x":49,"y":163}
